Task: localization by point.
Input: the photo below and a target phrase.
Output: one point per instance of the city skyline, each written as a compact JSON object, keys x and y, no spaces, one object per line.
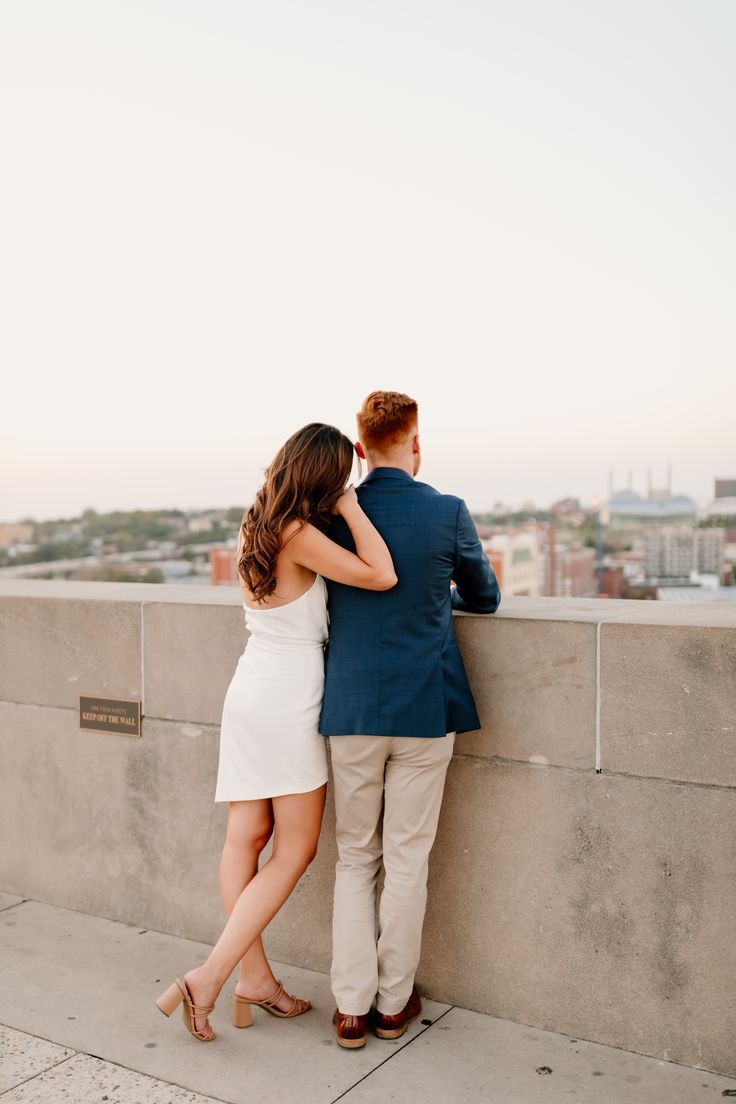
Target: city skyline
{"x":223,"y":222}
{"x":150,"y":504}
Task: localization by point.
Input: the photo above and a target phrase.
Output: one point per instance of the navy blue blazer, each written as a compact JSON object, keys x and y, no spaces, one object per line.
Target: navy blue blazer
{"x":392,"y":665}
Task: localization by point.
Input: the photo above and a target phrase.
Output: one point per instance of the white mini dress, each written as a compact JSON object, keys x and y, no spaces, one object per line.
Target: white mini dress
{"x":269,"y":740}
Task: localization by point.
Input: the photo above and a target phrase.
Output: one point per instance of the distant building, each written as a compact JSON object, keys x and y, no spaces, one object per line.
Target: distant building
{"x":565,"y":506}
{"x":223,"y":569}
{"x":630,"y":560}
{"x":569,"y":572}
{"x":614,"y":582}
{"x":726,"y":488}
{"x":68,"y":532}
{"x":515,"y":560}
{"x":629,"y":510}
{"x":20,"y":549}
{"x":722,"y":512}
{"x":668,"y":554}
{"x":729,"y":556}
{"x":101,"y":571}
{"x":709,"y":551}
{"x":679,"y":552}
{"x":199,"y":524}
{"x":697,"y":594}
{"x":15,"y":533}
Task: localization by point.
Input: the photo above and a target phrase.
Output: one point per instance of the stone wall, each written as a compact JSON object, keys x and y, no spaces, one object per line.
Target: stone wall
{"x":583,"y":878}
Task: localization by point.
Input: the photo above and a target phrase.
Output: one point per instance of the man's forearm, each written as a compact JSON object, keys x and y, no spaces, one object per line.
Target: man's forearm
{"x":485,"y":601}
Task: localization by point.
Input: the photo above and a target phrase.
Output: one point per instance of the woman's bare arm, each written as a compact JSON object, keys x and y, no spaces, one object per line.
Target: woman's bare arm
{"x":369,"y":567}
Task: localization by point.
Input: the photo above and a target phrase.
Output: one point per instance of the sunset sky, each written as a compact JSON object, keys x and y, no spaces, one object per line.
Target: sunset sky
{"x":222,"y":220}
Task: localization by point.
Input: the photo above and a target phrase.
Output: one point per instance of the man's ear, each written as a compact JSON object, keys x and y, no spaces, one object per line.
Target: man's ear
{"x":415,"y":444}
{"x":359,"y":450}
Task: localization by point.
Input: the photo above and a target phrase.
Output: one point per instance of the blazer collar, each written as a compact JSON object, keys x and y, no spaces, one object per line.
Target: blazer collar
{"x":387,"y":473}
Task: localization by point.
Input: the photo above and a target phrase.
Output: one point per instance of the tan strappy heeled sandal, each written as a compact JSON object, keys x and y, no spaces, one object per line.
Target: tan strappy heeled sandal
{"x":178,"y":994}
{"x":242,"y":1007}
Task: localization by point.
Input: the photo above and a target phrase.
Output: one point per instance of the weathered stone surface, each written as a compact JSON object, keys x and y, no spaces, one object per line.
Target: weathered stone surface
{"x":112,"y":826}
{"x":713,"y":614}
{"x":55,"y":649}
{"x":24,"y":1056}
{"x":534,"y":685}
{"x":470,"y":1059}
{"x":190,"y":653}
{"x":85,"y":1079}
{"x":586,"y":610}
{"x":602,"y":906}
{"x":456,"y":1056}
{"x":668,"y":701}
{"x":78,"y":590}
{"x":8,"y":900}
{"x":143,"y":813}
{"x":594,"y":905}
{"x":98,"y":995}
{"x":599,"y":905}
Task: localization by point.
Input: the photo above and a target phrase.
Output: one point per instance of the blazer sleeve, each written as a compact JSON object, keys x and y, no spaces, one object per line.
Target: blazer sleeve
{"x":476,"y":589}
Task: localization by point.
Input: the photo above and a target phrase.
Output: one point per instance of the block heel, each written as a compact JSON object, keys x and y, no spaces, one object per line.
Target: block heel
{"x":178,"y":994}
{"x":243,"y":1007}
{"x":242,"y":1012}
{"x":169,"y":1001}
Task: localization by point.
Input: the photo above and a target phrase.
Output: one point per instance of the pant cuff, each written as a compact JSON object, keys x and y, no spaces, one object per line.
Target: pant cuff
{"x":391,"y":1007}
{"x":352,"y":1009}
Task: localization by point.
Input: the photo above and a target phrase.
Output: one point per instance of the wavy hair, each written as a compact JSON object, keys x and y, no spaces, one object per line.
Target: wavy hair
{"x":303,"y":482}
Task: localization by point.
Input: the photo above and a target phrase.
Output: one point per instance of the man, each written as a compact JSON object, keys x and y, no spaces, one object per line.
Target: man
{"x":396,"y":694}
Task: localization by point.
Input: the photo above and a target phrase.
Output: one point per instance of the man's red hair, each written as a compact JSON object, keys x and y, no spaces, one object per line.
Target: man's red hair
{"x":385,"y":418}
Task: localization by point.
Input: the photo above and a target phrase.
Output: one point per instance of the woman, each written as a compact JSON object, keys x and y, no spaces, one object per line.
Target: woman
{"x":273,"y":764}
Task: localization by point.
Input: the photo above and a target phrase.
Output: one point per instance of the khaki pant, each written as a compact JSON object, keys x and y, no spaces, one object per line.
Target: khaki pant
{"x":404,"y":777}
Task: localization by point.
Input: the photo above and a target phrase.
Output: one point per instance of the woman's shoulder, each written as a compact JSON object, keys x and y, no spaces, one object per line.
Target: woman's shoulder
{"x":290,"y":528}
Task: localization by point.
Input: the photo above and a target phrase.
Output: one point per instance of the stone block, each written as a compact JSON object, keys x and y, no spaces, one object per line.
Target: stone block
{"x":598,"y":906}
{"x":129,"y":830}
{"x":54,"y":649}
{"x":126,"y":829}
{"x":534,"y":685}
{"x":79,"y":590}
{"x":668,"y":701}
{"x":190,"y":653}
{"x":590,"y":610}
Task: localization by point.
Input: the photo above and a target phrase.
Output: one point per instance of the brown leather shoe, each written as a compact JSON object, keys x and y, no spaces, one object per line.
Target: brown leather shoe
{"x":350,"y":1030}
{"x":391,"y":1027}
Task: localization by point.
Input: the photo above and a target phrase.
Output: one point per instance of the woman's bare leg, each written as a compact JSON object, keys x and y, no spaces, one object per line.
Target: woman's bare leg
{"x":249,"y":828}
{"x":297,"y":822}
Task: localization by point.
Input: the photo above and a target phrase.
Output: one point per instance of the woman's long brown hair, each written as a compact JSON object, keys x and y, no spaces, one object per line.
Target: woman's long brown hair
{"x":303,"y":482}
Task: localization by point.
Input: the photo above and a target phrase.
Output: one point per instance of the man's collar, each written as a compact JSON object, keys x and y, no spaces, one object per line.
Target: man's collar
{"x":388,"y":473}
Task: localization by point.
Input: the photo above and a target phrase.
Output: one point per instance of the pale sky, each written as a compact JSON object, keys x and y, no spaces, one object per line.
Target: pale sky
{"x":222,"y":220}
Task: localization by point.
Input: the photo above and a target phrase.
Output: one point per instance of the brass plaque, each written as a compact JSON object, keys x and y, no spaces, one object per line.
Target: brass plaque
{"x":110,"y":715}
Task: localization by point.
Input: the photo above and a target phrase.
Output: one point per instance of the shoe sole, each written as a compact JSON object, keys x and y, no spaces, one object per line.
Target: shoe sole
{"x":395,"y":1032}
{"x":351,"y":1044}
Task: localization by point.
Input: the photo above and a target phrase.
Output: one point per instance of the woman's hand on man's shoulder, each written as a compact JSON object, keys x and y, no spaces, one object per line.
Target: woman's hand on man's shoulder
{"x":347,"y":501}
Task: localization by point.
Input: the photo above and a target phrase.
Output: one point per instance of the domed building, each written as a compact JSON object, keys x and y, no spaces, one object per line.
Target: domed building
{"x":628,"y":509}
{"x":723,"y":510}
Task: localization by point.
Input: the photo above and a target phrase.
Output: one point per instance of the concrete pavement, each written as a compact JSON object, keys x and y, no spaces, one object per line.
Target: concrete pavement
{"x":76,"y":999}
